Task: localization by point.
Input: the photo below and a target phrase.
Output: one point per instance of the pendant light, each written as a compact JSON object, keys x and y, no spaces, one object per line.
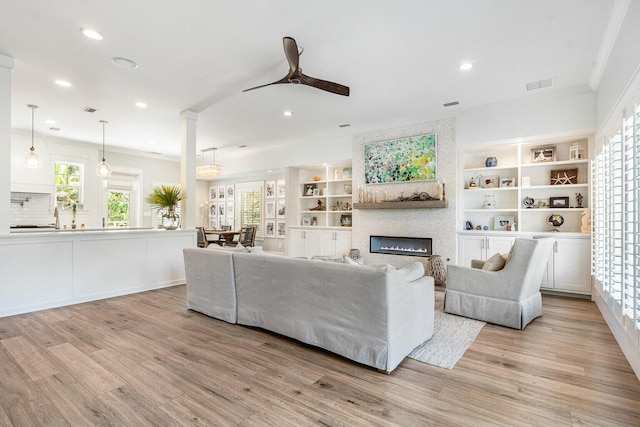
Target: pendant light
{"x":103,"y":169}
{"x":32,"y":158}
{"x":208,"y":170}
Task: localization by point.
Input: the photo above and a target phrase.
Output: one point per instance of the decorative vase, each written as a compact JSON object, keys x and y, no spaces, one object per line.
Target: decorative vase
{"x":437,"y":269}
{"x":489,"y":202}
{"x":491,"y":162}
{"x":170,"y":220}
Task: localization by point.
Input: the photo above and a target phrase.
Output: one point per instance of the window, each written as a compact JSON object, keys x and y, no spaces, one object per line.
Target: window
{"x":118,"y":214}
{"x":248,"y":206}
{"x":616,"y":220}
{"x":68,"y":178}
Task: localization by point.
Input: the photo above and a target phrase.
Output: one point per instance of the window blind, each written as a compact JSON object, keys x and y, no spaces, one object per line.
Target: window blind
{"x":616,"y":219}
{"x":248,"y":210}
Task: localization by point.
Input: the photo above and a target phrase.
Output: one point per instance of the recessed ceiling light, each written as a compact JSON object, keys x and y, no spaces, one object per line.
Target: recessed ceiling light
{"x":269,"y":171}
{"x":124,"y":62}
{"x":63,"y":83}
{"x":92,"y":34}
{"x":466,"y":66}
{"x":141,"y":105}
{"x":50,"y":122}
{"x":288,"y":113}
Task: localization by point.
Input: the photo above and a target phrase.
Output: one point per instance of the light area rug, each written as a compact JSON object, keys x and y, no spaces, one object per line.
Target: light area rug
{"x":452,"y":336}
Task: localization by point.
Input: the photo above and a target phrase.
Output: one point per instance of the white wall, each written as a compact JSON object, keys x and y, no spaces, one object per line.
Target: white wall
{"x":623,"y":65}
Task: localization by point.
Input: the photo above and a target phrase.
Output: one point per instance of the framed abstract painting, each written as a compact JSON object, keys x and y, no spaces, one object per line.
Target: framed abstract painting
{"x":407,"y":159}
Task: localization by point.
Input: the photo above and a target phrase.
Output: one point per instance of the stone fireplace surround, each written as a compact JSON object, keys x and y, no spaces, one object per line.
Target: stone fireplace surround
{"x":439,"y":224}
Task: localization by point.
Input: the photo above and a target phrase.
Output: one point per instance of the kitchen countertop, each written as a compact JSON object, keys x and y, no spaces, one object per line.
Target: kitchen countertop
{"x":77,"y":230}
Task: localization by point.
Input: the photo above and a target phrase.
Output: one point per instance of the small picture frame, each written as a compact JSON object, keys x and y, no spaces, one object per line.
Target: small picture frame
{"x":270,"y":209}
{"x":345,"y":220}
{"x":346,"y":173}
{"x":270,"y":228}
{"x":347,"y":189}
{"x":230,"y":191}
{"x":543,"y":154}
{"x":213,"y":210}
{"x":306,"y":221}
{"x":270,"y":189}
{"x":281,"y":190}
{"x":489,"y":181}
{"x":558,"y":202}
{"x":280,"y":209}
{"x":503,"y":222}
{"x":507,"y":182}
{"x":213,"y":193}
{"x":316,"y":192}
{"x":230,"y":209}
{"x":280,"y":229}
{"x":309,"y":188}
{"x":221,"y":192}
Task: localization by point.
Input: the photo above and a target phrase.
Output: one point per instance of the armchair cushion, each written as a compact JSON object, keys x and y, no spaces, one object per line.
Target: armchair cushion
{"x":495,"y":263}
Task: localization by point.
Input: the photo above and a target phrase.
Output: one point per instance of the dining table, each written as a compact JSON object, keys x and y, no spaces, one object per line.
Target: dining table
{"x":228,"y":235}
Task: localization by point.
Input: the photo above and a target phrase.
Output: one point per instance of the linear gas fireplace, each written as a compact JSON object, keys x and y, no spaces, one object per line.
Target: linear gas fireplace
{"x":410,"y":246}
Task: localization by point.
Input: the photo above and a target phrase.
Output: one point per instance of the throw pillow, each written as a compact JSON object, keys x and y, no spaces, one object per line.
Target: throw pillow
{"x":495,"y":263}
{"x":351,"y":261}
{"x":412,"y":271}
{"x":383,"y":267}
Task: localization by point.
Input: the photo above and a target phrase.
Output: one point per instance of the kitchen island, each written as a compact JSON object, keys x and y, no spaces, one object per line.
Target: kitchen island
{"x":53,"y":268}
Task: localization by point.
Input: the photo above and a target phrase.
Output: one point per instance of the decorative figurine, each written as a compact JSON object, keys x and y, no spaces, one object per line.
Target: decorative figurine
{"x":579,"y":199}
{"x":586,"y":220}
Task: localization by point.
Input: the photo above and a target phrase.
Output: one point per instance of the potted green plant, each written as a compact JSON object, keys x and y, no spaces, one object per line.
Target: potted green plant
{"x":74,"y":209}
{"x":164,"y":199}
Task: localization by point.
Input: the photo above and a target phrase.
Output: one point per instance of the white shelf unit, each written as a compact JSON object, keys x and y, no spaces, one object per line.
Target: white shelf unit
{"x":516,"y":162}
{"x":333,"y":192}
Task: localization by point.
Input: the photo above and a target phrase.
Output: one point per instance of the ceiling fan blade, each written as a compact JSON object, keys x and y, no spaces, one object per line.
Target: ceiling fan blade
{"x":292,"y":53}
{"x":283,"y":80}
{"x":324,"y":85}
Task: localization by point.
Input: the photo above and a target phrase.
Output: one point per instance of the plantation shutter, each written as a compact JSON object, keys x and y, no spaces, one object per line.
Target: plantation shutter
{"x":248,"y":210}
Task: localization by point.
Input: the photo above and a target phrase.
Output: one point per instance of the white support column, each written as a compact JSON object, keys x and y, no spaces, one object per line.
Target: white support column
{"x":188,"y":121}
{"x":6,"y":65}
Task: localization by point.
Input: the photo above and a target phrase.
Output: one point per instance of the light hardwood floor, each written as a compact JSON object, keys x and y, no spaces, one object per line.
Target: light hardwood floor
{"x":145,"y":360}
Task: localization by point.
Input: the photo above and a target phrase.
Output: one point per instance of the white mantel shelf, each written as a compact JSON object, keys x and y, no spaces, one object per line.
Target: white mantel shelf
{"x":417,"y":204}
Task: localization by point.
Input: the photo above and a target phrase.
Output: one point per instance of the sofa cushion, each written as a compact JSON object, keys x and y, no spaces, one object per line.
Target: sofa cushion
{"x":495,"y":263}
{"x":412,"y":271}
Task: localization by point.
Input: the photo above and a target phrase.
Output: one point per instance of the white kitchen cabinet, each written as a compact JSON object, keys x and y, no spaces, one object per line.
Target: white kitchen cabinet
{"x":568,"y":269}
{"x":482,"y":247}
{"x":308,"y":242}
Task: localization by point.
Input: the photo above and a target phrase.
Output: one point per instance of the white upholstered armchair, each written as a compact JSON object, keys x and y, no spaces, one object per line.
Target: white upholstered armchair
{"x":509,"y":297}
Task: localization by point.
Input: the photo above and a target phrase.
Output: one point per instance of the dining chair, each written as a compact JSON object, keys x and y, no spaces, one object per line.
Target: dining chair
{"x":248,"y":236}
{"x":202,"y":238}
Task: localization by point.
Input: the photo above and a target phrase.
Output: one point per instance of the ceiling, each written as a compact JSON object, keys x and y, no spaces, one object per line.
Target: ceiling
{"x":400,"y":59}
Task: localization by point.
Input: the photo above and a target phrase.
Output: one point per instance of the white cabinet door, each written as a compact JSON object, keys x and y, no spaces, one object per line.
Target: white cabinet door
{"x":303,"y":243}
{"x":334,"y":243}
{"x":343,"y":243}
{"x":296,"y":243}
{"x":498,"y":244}
{"x":471,"y":247}
{"x":571,"y":261}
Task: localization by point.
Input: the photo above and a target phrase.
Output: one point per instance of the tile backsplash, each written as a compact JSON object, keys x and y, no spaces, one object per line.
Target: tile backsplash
{"x":31,"y":209}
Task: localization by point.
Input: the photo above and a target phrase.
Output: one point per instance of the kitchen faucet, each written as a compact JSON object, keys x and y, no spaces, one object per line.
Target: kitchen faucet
{"x":56,"y":215}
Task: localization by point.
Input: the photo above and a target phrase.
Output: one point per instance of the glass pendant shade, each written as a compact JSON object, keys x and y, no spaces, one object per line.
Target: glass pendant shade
{"x":103,"y":169}
{"x":32,"y":158}
{"x":208,"y":168}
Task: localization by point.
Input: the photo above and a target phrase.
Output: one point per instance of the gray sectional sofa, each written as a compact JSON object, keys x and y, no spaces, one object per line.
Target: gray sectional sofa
{"x":374,"y":316}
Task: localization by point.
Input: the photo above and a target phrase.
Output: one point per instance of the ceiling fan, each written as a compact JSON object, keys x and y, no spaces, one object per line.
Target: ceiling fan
{"x":295,"y":75}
